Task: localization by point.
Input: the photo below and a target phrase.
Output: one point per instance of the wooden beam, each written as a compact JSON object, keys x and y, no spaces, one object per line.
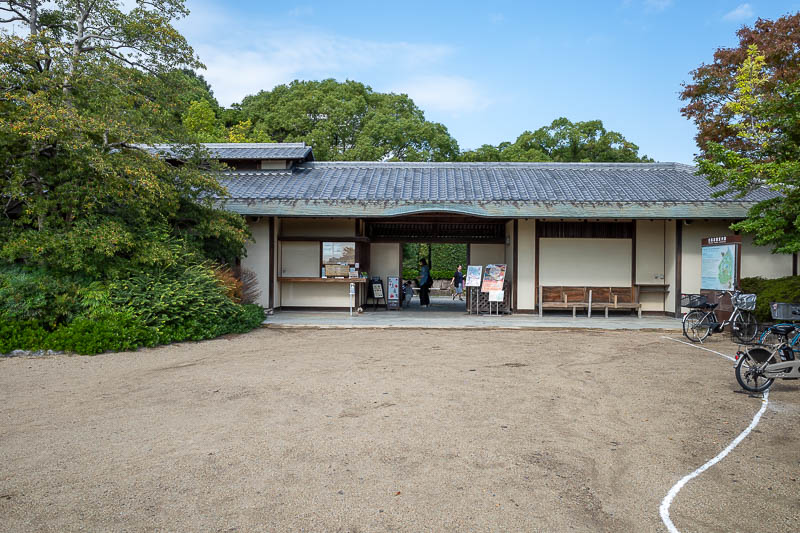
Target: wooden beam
{"x":678,"y":264}
{"x":322,"y":239}
{"x":272,"y":258}
{"x":633,"y":254}
{"x":536,"y":288}
{"x":515,"y":241}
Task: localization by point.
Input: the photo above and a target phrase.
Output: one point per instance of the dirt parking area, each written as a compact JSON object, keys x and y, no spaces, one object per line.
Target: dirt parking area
{"x":394,"y":430}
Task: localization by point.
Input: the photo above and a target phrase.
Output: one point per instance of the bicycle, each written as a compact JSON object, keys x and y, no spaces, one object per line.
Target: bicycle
{"x":768,"y":363}
{"x":702,"y":321}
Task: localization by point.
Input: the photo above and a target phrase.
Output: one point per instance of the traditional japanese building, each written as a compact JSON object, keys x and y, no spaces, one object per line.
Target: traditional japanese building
{"x":634,"y":227}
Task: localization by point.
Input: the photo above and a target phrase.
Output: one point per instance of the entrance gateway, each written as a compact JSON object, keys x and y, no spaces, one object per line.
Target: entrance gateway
{"x":619,"y":231}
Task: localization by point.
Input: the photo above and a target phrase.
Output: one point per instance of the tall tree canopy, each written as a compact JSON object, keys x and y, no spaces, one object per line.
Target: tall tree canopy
{"x":86,"y":85}
{"x":348,"y":121}
{"x":562,"y":141}
{"x":746,"y":105}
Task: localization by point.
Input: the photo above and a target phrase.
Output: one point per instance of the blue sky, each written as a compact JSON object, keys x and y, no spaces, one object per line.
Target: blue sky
{"x":488,"y":71}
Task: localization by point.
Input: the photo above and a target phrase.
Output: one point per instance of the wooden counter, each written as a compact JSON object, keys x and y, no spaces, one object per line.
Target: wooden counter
{"x":322,"y":280}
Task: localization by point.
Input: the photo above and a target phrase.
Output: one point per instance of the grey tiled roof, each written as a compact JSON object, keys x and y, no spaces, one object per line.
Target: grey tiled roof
{"x":472,"y":183}
{"x":295,"y":151}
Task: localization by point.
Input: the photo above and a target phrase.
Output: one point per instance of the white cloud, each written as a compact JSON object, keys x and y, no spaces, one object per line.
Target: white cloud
{"x":658,"y":5}
{"x":497,"y":18}
{"x":742,"y":12}
{"x":455,"y":95}
{"x":235,"y":71}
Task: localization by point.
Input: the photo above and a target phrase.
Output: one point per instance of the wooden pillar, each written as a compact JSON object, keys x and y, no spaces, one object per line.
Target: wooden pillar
{"x":272,"y":254}
{"x":515,"y":266}
{"x":678,"y":264}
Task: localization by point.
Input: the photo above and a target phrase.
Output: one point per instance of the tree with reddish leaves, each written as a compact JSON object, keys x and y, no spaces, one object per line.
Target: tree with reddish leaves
{"x":712,"y":84}
{"x":746,"y":105}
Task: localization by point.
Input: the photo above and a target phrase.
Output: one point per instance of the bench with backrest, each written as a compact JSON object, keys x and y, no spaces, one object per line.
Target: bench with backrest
{"x":563,"y":298}
{"x":622,"y":298}
{"x":605,"y":298}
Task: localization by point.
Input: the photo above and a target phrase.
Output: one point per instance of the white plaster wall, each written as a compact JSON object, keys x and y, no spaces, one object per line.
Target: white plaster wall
{"x":584,"y":262}
{"x":307,"y":294}
{"x":670,"y":271}
{"x":526,"y":259}
{"x":384,"y":260}
{"x":273,"y":164}
{"x":257,"y":258}
{"x":650,"y":261}
{"x":300,"y":259}
{"x":756,"y":260}
{"x":487,"y":254}
{"x":318,"y":227}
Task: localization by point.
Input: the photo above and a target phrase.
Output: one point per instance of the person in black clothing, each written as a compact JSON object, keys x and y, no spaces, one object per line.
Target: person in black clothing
{"x":425,"y":283}
{"x":458,"y":284}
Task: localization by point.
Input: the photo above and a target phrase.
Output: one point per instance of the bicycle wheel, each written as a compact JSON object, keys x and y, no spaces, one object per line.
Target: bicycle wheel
{"x":748,"y":371}
{"x":745,"y":326}
{"x":696,"y":326}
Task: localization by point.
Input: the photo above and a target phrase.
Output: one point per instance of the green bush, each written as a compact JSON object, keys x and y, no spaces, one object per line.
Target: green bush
{"x":116,"y":332}
{"x":771,"y":290}
{"x":35,"y":294}
{"x":21,"y":335}
{"x":182,"y":303}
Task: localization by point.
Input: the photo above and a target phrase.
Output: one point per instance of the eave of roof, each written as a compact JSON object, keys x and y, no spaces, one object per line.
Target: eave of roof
{"x":522,"y":190}
{"x":246,"y":151}
{"x":490,"y":209}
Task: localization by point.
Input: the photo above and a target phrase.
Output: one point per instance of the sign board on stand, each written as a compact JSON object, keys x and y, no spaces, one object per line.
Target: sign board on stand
{"x":493,"y":278}
{"x":393,"y":290}
{"x":473,"y":279}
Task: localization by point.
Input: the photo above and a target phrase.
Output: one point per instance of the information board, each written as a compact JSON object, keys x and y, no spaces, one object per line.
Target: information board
{"x":473,"y":278}
{"x":377,"y":290}
{"x":719,"y":267}
{"x":493,"y":278}
{"x":496,"y":296}
{"x":393,"y":290}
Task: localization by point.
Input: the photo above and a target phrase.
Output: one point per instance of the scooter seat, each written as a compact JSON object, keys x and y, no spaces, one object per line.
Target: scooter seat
{"x":783,"y":329}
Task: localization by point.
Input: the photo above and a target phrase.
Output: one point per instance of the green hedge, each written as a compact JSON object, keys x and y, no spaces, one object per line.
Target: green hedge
{"x":771,"y":290}
{"x":150,"y":308}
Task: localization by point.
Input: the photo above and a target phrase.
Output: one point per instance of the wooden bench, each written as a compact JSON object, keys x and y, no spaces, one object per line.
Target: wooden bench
{"x":623,"y":298}
{"x":589,"y":298}
{"x":563,"y":298}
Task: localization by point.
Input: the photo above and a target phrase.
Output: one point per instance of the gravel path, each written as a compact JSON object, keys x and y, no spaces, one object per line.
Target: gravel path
{"x":307,"y":430}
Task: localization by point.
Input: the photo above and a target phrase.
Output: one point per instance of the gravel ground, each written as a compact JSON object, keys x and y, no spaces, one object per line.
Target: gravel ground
{"x":359,"y":430}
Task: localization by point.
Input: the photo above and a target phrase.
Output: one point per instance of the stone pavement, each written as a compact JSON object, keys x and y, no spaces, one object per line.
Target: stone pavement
{"x":447,"y":314}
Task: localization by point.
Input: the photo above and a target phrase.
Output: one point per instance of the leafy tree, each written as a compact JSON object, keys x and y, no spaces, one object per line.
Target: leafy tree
{"x":243,"y":132}
{"x":763,"y":153}
{"x":79,"y":95}
{"x":562,"y":141}
{"x":713,"y":84}
{"x":202,"y":123}
{"x":348,"y":121}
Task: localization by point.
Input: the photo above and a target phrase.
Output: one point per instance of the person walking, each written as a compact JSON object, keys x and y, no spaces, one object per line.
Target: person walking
{"x":425,"y":283}
{"x":458,"y":284}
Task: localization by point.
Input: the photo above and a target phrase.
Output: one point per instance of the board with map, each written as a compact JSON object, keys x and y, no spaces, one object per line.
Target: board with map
{"x":719,"y":267}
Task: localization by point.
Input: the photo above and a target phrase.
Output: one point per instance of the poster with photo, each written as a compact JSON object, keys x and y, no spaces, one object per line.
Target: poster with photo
{"x":473,"y":278}
{"x":341,"y":253}
{"x":493,"y":278}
